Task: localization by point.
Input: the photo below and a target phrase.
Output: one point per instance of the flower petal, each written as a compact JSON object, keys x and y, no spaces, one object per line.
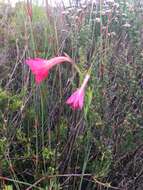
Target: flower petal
{"x":76,"y":100}
{"x":38,"y":68}
{"x":81,"y":100}
{"x":72,"y":98}
{"x":41,"y":76}
{"x":58,"y":60}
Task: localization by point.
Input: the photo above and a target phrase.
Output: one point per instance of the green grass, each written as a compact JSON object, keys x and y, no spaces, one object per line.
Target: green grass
{"x":43,"y":143}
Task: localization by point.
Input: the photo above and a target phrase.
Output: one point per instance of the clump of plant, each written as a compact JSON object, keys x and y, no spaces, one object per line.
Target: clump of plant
{"x":45,"y":144}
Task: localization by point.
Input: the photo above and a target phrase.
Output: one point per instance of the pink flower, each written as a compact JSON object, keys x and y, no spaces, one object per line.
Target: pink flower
{"x":76,"y":100}
{"x":40,"y":67}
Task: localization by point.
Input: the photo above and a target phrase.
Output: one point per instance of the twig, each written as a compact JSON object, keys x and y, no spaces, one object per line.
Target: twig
{"x":104,"y":184}
{"x":53,"y":176}
{"x":17,"y":181}
{"x":72,"y":175}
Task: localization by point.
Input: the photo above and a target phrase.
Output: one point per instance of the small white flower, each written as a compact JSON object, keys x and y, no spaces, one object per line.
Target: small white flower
{"x":127,"y":25}
{"x":65,"y":12}
{"x":113,"y":34}
{"x":109,"y":1}
{"x":97,"y":20}
{"x":116,"y":5}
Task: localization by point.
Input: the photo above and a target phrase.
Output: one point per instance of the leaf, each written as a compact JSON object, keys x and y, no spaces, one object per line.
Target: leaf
{"x":8,"y":187}
{"x":88,"y":101}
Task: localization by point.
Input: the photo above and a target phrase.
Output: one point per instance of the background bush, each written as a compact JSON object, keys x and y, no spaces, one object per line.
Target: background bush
{"x":43,"y":143}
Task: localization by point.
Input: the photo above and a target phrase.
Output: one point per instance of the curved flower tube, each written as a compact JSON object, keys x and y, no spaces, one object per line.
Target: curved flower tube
{"x":40,"y":67}
{"x":76,"y":100}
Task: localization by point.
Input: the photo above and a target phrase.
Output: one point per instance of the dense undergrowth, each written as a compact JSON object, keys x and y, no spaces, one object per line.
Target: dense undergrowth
{"x":43,"y":143}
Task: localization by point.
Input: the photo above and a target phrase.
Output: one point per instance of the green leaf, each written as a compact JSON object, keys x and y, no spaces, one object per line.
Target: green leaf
{"x":8,"y":187}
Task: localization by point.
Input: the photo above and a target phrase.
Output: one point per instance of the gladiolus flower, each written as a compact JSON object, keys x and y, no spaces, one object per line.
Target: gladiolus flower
{"x":40,"y":67}
{"x":76,"y":100}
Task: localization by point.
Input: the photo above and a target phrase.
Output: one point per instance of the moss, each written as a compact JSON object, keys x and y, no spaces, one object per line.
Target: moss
{"x":15,"y":103}
{"x":4,"y":96}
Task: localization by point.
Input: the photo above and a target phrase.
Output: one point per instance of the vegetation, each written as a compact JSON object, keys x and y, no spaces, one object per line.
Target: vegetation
{"x":46,"y":145}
